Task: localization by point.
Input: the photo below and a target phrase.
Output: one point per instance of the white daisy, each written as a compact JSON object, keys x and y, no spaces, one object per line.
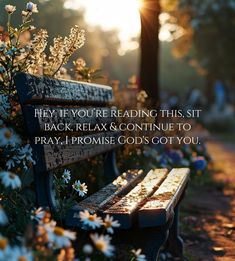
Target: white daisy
{"x":10,"y":180}
{"x":37,"y":214}
{"x":102,"y":243}
{"x":66,"y":176}
{"x":8,"y":137}
{"x":138,"y":255}
{"x":20,"y":253}
{"x":109,"y":224}
{"x":81,"y":188}
{"x":90,"y":220}
{"x":3,"y":217}
{"x":10,"y":9}
{"x":4,"y":248}
{"x":58,"y":236}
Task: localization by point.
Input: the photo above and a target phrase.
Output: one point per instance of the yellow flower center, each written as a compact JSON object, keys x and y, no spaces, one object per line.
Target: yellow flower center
{"x":3,"y":243}
{"x":100,"y":245}
{"x":91,"y":218}
{"x":107,"y":224}
{"x":12,"y":176}
{"x":7,"y":134}
{"x":59,"y":231}
{"x":22,"y":258}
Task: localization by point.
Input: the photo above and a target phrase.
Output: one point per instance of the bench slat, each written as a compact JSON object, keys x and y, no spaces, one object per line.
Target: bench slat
{"x":45,"y":90}
{"x":160,"y":206}
{"x":36,"y":125}
{"x":49,"y":157}
{"x":105,"y":196}
{"x":124,"y":209}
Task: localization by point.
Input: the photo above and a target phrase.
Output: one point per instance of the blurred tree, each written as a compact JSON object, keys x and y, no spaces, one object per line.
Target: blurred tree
{"x":149,"y":14}
{"x":208,"y":38}
{"x":101,"y":47}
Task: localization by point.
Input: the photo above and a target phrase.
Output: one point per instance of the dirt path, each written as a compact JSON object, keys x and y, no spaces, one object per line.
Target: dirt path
{"x":209,"y":231}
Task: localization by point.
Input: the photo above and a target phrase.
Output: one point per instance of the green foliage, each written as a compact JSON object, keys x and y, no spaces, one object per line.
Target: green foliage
{"x":213,"y":37}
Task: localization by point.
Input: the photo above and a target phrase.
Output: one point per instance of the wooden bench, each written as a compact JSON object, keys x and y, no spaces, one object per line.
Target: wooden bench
{"x":146,"y":205}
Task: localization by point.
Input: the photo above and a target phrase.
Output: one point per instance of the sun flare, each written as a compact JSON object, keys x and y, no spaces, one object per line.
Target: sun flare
{"x":122,"y":15}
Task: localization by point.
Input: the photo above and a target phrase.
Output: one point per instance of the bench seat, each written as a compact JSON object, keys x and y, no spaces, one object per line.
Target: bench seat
{"x":134,"y":198}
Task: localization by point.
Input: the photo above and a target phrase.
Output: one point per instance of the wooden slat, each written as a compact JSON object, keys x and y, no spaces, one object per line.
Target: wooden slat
{"x":107,"y":195}
{"x":45,"y":90}
{"x":160,"y":206}
{"x":36,"y":124}
{"x":51,"y":156}
{"x":124,"y":209}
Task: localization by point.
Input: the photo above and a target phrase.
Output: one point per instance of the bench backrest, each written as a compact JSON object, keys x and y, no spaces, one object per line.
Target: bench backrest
{"x":37,"y":92}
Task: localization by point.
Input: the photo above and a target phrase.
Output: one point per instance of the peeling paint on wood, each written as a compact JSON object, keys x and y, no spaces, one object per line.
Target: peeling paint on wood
{"x":46,"y":90}
{"x":123,"y":209}
{"x":160,"y":206}
{"x":60,"y":155}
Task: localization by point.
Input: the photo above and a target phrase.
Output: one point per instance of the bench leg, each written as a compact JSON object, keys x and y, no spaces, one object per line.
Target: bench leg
{"x":150,"y":240}
{"x":152,"y":244}
{"x":175,"y":242}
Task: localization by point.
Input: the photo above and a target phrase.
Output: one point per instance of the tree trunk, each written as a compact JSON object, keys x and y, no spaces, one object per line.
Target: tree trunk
{"x":149,"y":72}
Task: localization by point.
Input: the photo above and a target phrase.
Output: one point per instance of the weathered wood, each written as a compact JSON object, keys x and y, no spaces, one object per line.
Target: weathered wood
{"x":51,"y":156}
{"x":174,"y":243}
{"x":124,"y":209}
{"x":45,"y":90}
{"x":160,"y":206}
{"x":39,"y":123}
{"x":107,"y":195}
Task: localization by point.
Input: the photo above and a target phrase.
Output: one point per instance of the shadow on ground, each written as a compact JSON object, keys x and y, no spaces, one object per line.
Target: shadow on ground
{"x":208,"y":210}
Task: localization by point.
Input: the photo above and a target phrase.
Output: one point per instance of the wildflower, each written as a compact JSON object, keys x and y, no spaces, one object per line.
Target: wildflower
{"x":59,"y":236}
{"x":87,"y":249}
{"x":142,"y":96}
{"x":102,"y":243}
{"x":4,"y":106}
{"x":20,"y":253}
{"x":81,"y":188}
{"x":36,"y":57}
{"x":66,"y":176}
{"x":3,"y":217}
{"x":138,"y":255}
{"x":8,"y":137}
{"x":10,"y":9}
{"x":31,"y":27}
{"x":199,"y":163}
{"x":175,"y":156}
{"x":80,"y":64}
{"x":10,"y":180}
{"x":90,"y":220}
{"x":31,"y":7}
{"x":24,"y":13}
{"x":37,"y":214}
{"x":11,"y":163}
{"x":109,"y":224}
{"x":4,"y":248}
{"x":26,"y":153}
